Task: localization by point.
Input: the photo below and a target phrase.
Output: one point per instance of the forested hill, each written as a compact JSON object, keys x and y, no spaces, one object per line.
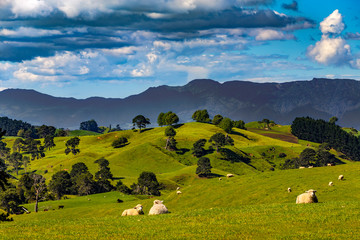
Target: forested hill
{"x":248,"y":101}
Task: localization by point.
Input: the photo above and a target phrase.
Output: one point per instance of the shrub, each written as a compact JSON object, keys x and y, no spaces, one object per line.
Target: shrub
{"x":120,"y":142}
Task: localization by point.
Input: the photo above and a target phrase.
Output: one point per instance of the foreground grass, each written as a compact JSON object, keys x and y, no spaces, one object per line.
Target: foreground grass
{"x":335,"y":220}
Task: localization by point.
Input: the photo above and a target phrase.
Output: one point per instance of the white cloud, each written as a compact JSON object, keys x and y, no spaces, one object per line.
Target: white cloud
{"x":330,"y":51}
{"x":28,"y":32}
{"x":332,"y":24}
{"x":269,"y":34}
{"x":355,"y":63}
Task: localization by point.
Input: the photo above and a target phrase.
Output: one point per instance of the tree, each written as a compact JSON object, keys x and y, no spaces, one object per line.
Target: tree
{"x":49,"y":142}
{"x":170,"y":141}
{"x":10,"y":200}
{"x":204,"y":167}
{"x":39,"y":188}
{"x":121,"y":187}
{"x":226,"y":124}
{"x":147,"y":184}
{"x":307,"y":157}
{"x":90,"y":125}
{"x":78,"y":169}
{"x":219,"y":140}
{"x":104,"y":172}
{"x":160,"y":119}
{"x":3,"y":152}
{"x":61,"y":133}
{"x":44,"y":131}
{"x":15,"y":161}
{"x":120,"y":142}
{"x":201,"y":116}
{"x":267,"y":122}
{"x":217,"y":119}
{"x":60,"y":184}
{"x":198,"y":148}
{"x":239,"y":124}
{"x":140,"y":121}
{"x":85,"y":184}
{"x":33,"y":147}
{"x":333,"y":120}
{"x":26,"y":161}
{"x":18,"y":144}
{"x":71,"y":146}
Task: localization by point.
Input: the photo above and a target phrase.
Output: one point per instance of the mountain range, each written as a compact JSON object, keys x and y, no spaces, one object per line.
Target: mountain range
{"x":238,"y":100}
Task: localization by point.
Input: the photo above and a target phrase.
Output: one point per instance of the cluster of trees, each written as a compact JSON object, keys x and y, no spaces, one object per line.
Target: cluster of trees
{"x":12,"y":127}
{"x":309,"y":157}
{"x":90,"y":125}
{"x":168,"y":118}
{"x":321,"y":131}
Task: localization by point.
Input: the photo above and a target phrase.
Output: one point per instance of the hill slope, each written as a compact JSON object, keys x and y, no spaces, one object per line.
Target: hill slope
{"x":282,"y":102}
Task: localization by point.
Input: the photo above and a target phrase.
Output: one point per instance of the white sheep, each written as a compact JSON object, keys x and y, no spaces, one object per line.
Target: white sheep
{"x":158,"y":208}
{"x":341,"y":177}
{"x":331,"y":184}
{"x":310,"y":166}
{"x":229,"y":175}
{"x":289,"y":189}
{"x":178,"y":192}
{"x":301,"y":167}
{"x":220,"y":179}
{"x":137,"y":210}
{"x":307,"y":197}
{"x":178,"y":188}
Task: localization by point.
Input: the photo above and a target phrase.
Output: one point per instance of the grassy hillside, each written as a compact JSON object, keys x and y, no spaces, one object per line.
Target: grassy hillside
{"x":254,"y":204}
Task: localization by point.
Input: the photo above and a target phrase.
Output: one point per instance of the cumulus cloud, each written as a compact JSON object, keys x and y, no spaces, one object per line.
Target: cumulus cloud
{"x":331,"y":50}
{"x":270,"y":34}
{"x":28,"y":32}
{"x":332,"y":24}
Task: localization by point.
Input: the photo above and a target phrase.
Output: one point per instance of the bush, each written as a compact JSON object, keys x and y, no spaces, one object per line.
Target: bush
{"x":120,"y":142}
{"x":4,"y":216}
{"x":123,"y":188}
{"x":282,"y":155}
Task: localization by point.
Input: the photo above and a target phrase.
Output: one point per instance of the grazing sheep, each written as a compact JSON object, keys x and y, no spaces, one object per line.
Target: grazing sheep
{"x":178,"y":188}
{"x":310,"y":166}
{"x":158,"y":208}
{"x":289,"y":189}
{"x":229,"y":175}
{"x":331,"y":184}
{"x":307,"y":197}
{"x":330,"y":164}
{"x":301,"y":167}
{"x":137,"y":210}
{"x":178,"y":192}
{"x":220,"y":179}
{"x":341,"y":177}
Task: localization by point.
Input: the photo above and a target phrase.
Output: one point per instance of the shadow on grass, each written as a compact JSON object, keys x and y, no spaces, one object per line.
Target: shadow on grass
{"x":182,"y":151}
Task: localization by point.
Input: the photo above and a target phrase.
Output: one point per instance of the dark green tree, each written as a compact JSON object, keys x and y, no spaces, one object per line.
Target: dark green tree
{"x":15,"y":161}
{"x":307,"y":157}
{"x":120,"y":142}
{"x":170,"y":141}
{"x":39,"y":187}
{"x":18,"y":144}
{"x":198,"y":148}
{"x":121,"y":187}
{"x":239,"y":124}
{"x":333,"y":120}
{"x":147,"y":184}
{"x":26,"y":161}
{"x":201,"y":116}
{"x":61,"y":133}
{"x":217,"y":119}
{"x":49,"y":142}
{"x":78,"y":169}
{"x":203,"y":167}
{"x":160,"y":119}
{"x":4,"y":176}
{"x":171,"y":118}
{"x":10,"y":200}
{"x":71,"y":146}
{"x":33,"y":147}
{"x":90,"y":125}
{"x":85,"y":184}
{"x":219,"y":140}
{"x":104,"y":172}
{"x":60,"y":184}
{"x":226,"y":124}
{"x":140,"y":121}
{"x":44,"y":131}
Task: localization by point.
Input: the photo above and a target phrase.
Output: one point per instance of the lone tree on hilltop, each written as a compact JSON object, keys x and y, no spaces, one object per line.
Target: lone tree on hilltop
{"x":219,"y":140}
{"x":201,"y":116}
{"x":204,"y":167}
{"x":140,"y":121}
{"x":71,"y":146}
{"x":170,"y":141}
{"x":90,"y":125}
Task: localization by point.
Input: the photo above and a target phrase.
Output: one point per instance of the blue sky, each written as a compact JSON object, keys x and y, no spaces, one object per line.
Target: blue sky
{"x":117,"y":48}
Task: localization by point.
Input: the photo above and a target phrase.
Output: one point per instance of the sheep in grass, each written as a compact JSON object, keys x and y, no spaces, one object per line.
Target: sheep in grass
{"x":137,"y":210}
{"x":289,"y":189}
{"x":307,"y":197}
{"x":178,"y":188}
{"x":331,"y":184}
{"x":229,"y":175}
{"x":341,"y":177}
{"x":158,"y":208}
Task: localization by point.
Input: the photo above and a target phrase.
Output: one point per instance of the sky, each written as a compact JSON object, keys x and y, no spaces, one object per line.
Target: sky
{"x":117,"y":48}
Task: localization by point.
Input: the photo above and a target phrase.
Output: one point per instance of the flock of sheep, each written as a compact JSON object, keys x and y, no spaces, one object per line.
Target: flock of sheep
{"x":159,"y":208}
{"x":309,"y":196}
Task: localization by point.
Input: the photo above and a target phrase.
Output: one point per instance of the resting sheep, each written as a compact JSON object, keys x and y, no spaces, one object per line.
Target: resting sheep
{"x":307,"y":197}
{"x":289,"y":189}
{"x":178,"y":192}
{"x":229,"y":175}
{"x":178,"y":188}
{"x":331,"y":184}
{"x":341,"y":177}
{"x":137,"y":210}
{"x":158,"y":208}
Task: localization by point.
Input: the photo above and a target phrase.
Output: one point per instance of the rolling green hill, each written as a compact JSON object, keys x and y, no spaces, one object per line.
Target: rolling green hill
{"x":254,"y":204}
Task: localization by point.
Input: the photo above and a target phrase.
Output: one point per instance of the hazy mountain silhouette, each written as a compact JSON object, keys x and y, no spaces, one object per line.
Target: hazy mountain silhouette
{"x":248,"y":101}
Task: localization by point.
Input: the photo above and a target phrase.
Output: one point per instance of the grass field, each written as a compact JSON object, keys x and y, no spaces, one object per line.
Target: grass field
{"x":254,"y":204}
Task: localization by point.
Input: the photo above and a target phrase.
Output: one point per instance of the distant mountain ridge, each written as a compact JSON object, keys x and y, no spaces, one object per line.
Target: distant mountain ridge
{"x":248,"y":101}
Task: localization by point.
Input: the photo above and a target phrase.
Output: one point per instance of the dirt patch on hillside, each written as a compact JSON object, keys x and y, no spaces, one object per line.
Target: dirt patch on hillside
{"x":283,"y":137}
